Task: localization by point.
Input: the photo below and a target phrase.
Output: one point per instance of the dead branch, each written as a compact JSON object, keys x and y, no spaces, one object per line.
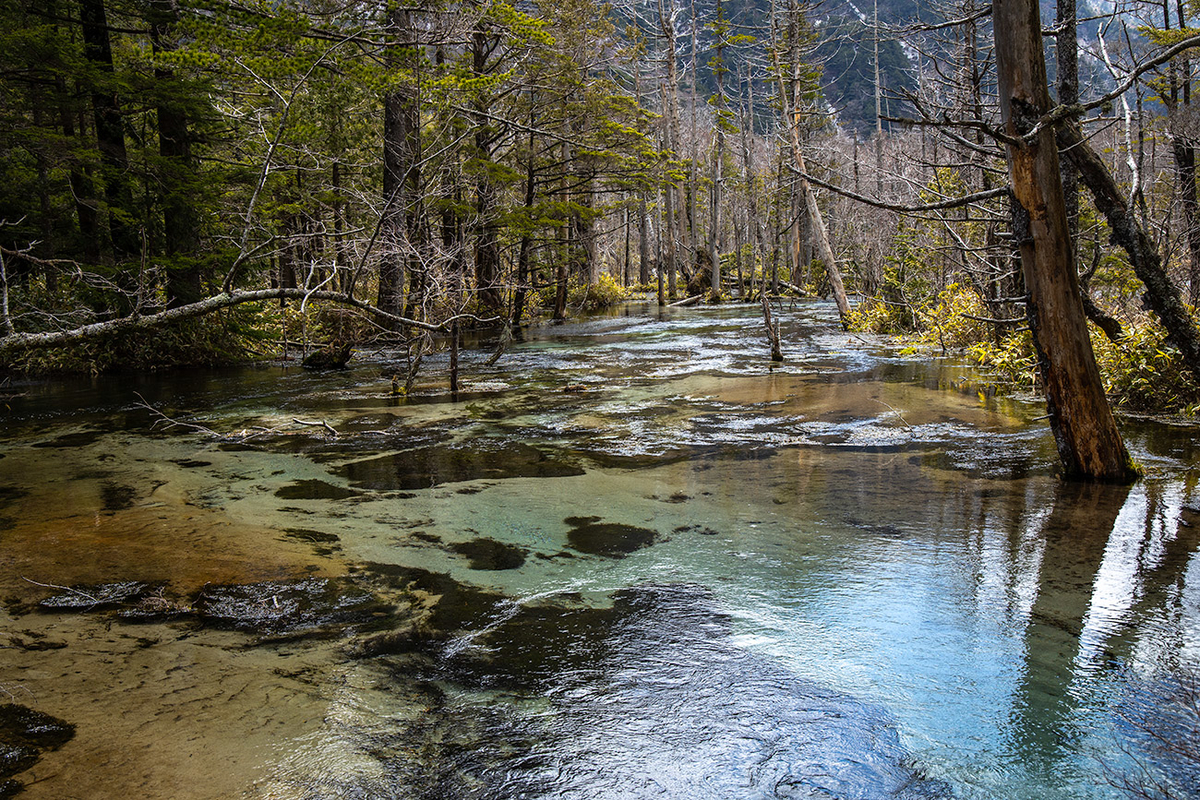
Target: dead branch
{"x":320,"y":424}
{"x":954,"y":202}
{"x":14,"y":341}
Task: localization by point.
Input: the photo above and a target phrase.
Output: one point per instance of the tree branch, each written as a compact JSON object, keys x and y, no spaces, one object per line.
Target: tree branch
{"x":956,"y":202}
{"x":13,"y":341}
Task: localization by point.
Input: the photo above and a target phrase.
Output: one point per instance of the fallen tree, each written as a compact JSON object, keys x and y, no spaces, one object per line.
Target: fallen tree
{"x":16,"y":340}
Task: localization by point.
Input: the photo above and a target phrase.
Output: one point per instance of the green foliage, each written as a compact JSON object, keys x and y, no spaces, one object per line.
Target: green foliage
{"x":947,"y":321}
{"x":951,"y":321}
{"x":1144,"y":373}
{"x":587,"y":298}
{"x":1013,"y":360}
{"x":1141,"y":372}
{"x":872,"y":315}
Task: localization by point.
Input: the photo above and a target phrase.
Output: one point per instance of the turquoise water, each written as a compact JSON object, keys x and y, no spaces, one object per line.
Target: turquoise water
{"x":640,"y":561}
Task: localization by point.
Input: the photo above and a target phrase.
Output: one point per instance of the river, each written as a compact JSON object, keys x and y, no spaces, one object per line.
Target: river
{"x":632,"y":559}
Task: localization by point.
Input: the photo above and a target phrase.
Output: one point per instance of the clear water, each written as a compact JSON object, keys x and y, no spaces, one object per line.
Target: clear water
{"x":630,"y":560}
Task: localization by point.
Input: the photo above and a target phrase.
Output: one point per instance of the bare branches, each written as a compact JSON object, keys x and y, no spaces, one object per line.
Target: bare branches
{"x":246,"y":434}
{"x":1063,"y":112}
{"x":903,"y":208}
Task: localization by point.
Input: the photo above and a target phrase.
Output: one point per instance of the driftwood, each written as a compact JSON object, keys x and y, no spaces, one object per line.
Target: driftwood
{"x":14,"y":341}
{"x":687,"y":301}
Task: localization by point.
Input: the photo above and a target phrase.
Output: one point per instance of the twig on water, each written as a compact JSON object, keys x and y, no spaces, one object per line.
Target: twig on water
{"x":895,"y":411}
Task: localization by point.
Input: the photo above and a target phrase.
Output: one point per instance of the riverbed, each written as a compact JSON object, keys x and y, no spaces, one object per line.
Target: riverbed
{"x":632,"y":558}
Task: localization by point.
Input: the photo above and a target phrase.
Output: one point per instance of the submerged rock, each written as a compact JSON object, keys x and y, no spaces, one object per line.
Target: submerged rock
{"x":646,"y":698}
{"x":290,"y":609}
{"x":426,"y":467}
{"x":24,"y":735}
{"x":100,"y":596}
{"x":307,"y":607}
{"x":489,"y":554}
{"x":335,"y":356}
{"x":608,"y":539}
{"x":314,"y":490}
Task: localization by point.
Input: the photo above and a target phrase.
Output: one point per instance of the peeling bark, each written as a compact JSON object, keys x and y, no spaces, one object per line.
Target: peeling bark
{"x":1089,"y":444}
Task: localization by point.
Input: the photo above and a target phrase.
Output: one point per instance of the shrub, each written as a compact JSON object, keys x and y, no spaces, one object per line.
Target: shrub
{"x":1013,"y":360}
{"x":950,"y":320}
{"x":223,"y":337}
{"x":605,"y":293}
{"x":1143,"y":372}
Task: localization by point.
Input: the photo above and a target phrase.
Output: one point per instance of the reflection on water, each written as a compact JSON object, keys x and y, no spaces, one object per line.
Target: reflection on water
{"x":692,"y":574}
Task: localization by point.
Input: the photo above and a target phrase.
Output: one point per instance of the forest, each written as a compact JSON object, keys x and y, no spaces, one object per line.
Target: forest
{"x":643,"y":399}
{"x":201,"y":182}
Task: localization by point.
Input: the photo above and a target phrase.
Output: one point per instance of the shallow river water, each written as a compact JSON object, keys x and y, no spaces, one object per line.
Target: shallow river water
{"x":630,"y":560}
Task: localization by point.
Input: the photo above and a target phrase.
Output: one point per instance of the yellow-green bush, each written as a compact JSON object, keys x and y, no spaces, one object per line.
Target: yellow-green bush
{"x":951,"y":321}
{"x":945,"y":321}
{"x":1013,"y":360}
{"x":871,"y":315}
{"x":1143,"y":372}
{"x":605,"y":293}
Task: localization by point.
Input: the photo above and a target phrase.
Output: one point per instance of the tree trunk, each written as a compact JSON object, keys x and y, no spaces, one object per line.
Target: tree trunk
{"x":181,"y":227}
{"x":1067,"y":55}
{"x":643,"y":241}
{"x":757,"y":245}
{"x":1089,"y":444}
{"x":1162,"y":295}
{"x":487,"y":242}
{"x":401,"y":171}
{"x":714,"y":233}
{"x":792,"y":122}
{"x":110,"y":135}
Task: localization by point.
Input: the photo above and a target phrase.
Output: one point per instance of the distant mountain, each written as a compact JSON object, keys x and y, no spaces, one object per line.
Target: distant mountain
{"x":845,"y":50}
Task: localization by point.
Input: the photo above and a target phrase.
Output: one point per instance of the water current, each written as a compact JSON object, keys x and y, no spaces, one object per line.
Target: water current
{"x":631,"y":559}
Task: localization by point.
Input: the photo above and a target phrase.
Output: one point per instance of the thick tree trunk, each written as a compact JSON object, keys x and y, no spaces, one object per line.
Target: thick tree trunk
{"x":1089,"y":444}
{"x":181,"y":226}
{"x":401,"y":170}
{"x":80,"y":181}
{"x":110,"y":135}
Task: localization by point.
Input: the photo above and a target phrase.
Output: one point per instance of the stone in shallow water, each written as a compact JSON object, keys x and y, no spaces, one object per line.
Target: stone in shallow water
{"x":71,"y":440}
{"x":24,"y":735}
{"x":117,"y":497}
{"x":297,"y":607}
{"x":489,"y":554}
{"x":427,"y":467}
{"x":608,"y":539}
{"x":314,"y":490}
{"x":99,"y":597}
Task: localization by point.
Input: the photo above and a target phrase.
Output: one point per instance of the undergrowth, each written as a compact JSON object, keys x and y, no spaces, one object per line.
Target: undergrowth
{"x":1142,"y":373}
